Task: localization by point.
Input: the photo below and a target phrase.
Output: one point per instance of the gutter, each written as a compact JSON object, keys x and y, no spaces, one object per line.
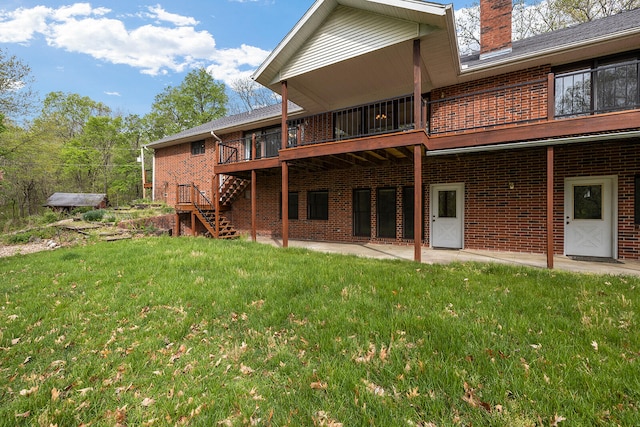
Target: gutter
{"x":518,"y":59}
{"x":536,"y":143}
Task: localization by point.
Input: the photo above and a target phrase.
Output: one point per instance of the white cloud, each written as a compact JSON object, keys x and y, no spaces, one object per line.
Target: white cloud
{"x":154,"y":49}
{"x":20,"y":25}
{"x":162,"y":15}
{"x":113,"y":93}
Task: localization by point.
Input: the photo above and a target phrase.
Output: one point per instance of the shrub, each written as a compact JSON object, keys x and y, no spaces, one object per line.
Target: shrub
{"x":50,"y":216}
{"x":15,"y":239}
{"x":96,"y":215}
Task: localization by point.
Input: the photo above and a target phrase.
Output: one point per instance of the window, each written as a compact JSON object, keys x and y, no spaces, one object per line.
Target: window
{"x":601,"y":86}
{"x":197,"y":147}
{"x":362,"y":212}
{"x":268,"y":142}
{"x":318,"y":205}
{"x":447,"y":204}
{"x":386,"y":212}
{"x":587,"y":202}
{"x":293,"y":205}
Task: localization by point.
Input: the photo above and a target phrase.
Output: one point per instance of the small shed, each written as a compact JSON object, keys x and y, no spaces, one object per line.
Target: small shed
{"x":69,"y":201}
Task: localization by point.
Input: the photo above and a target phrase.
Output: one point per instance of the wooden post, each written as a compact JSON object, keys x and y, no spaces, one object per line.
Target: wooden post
{"x":176,"y":226}
{"x":254,"y":149}
{"x":551,"y":96}
{"x":216,"y":195}
{"x":417,"y":203}
{"x":417,"y":86}
{"x":417,"y":153}
{"x":285,"y":204}
{"x":285,"y":167}
{"x":254,"y":206}
{"x":550,"y":246}
{"x":215,"y":188}
{"x":285,"y":114}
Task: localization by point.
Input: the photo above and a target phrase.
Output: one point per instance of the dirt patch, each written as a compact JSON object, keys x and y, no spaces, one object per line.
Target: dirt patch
{"x":27,"y":248}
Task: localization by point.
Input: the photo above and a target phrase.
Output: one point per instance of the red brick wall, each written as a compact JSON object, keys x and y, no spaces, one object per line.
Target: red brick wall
{"x":479,"y":103}
{"x":496,"y":216}
{"x":599,"y":159}
{"x":176,"y":165}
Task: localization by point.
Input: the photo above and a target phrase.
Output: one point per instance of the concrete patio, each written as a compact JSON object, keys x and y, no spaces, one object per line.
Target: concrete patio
{"x":443,"y":256}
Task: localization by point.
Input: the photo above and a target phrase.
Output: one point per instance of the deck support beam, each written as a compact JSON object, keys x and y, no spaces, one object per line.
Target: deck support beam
{"x":417,"y":153}
{"x":176,"y":225}
{"x":417,"y":203}
{"x":254,"y":206}
{"x":550,"y":246}
{"x":216,"y":203}
{"x":285,"y":167}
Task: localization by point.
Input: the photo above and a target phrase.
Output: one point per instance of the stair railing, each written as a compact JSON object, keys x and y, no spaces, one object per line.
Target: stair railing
{"x":199,"y":201}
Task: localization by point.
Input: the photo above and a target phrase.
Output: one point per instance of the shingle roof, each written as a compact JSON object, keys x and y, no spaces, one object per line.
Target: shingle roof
{"x":582,"y":33}
{"x":556,"y":40}
{"x":259,"y":114}
{"x":75,"y":199}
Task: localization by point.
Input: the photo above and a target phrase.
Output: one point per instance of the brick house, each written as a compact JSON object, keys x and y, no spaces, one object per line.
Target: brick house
{"x":391,"y":136}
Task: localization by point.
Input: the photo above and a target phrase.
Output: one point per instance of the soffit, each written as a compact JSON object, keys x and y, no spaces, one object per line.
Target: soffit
{"x":350,"y":52}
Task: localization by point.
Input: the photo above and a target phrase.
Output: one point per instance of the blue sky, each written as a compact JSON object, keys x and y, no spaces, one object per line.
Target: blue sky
{"x":123,"y":52}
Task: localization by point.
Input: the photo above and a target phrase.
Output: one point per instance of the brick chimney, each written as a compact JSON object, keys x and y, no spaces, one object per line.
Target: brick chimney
{"x":495,"y":27}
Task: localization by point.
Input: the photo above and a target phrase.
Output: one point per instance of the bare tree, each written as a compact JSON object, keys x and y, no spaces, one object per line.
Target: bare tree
{"x":16,"y":95}
{"x":252,"y":95}
{"x":539,"y":17}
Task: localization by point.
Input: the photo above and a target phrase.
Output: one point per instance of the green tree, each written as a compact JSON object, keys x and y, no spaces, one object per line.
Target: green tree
{"x":70,"y":113}
{"x":29,"y":169}
{"x":197,"y":100}
{"x":16,"y":95}
{"x":89,"y":158}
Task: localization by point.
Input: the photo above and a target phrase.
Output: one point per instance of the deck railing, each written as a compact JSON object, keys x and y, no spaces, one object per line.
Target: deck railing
{"x":604,"y":89}
{"x":577,"y":93}
{"x":519,"y":103}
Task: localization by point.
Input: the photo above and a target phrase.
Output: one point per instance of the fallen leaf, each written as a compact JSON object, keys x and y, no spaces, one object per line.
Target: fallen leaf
{"x":25,"y":392}
{"x":594,"y":344}
{"x":23,"y":415}
{"x":15,"y":341}
{"x":55,"y":394}
{"x":246,"y":370}
{"x":318,"y":385}
{"x":374,"y":388}
{"x":556,"y":420}
{"x":147,"y":401}
{"x":413,"y":393}
{"x":84,"y":391}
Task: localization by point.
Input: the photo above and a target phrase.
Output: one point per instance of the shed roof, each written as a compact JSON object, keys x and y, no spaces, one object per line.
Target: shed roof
{"x":75,"y":199}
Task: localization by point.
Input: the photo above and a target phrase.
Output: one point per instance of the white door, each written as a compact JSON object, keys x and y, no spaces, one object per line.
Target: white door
{"x":447,"y":202}
{"x":590,"y":211}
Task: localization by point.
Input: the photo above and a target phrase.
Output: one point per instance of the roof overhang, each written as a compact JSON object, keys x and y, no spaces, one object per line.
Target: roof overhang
{"x":350,"y":52}
{"x":556,"y":54}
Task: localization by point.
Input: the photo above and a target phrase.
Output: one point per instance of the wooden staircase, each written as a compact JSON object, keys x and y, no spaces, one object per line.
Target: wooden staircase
{"x":231,"y":188}
{"x":191,"y":199}
{"x":208,"y":218}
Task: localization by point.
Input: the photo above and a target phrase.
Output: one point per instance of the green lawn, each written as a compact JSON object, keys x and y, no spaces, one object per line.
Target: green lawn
{"x":191,"y":331}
